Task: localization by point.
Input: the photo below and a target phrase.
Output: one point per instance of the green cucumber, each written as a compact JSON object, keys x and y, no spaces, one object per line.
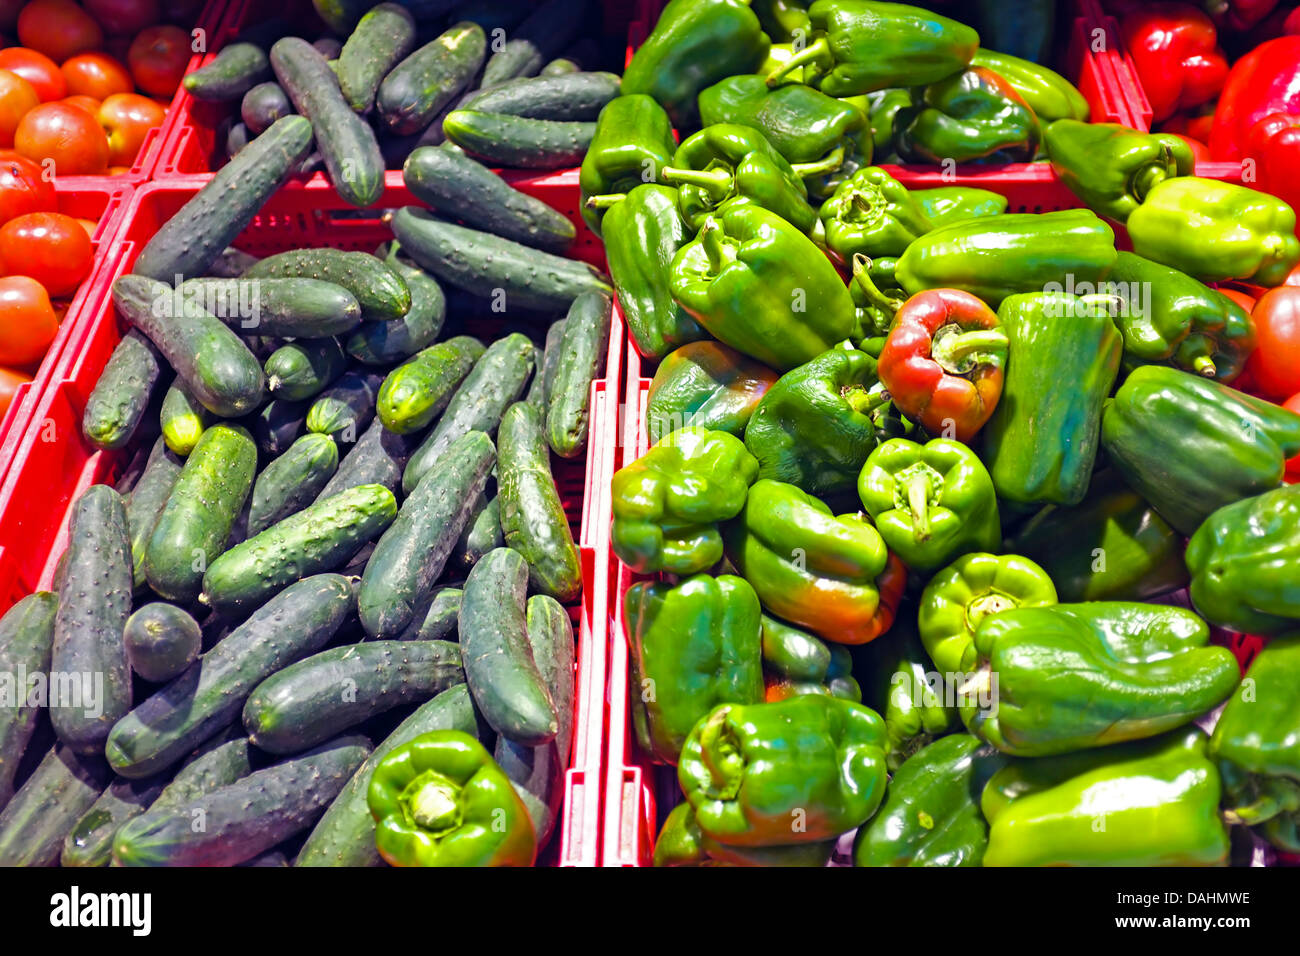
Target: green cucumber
{"x":412,"y":554}
{"x":345,"y":140}
{"x":298,"y":621}
{"x":36,"y":821}
{"x":548,"y":30}
{"x":212,"y":360}
{"x":292,"y":481}
{"x":560,"y":67}
{"x":190,"y":241}
{"x":147,"y":500}
{"x":319,"y":538}
{"x":416,"y":392}
{"x":386,"y":343}
{"x":118,"y":401}
{"x":579,"y":362}
{"x":551,"y":361}
{"x":90,"y":841}
{"x":133,"y":470}
{"x":238,"y":136}
{"x":497,"y":379}
{"x":378,"y":458}
{"x":231,"y":264}
{"x":94,"y":603}
{"x":417,"y":89}
{"x":438,"y":622}
{"x":307,"y":308}
{"x":482,"y":534}
{"x":262,"y":105}
{"x":489,"y":266}
{"x":499,"y":665}
{"x":195,"y":524}
{"x":381,"y":39}
{"x":161,"y":641}
{"x":317,"y":698}
{"x":245,"y":818}
{"x":304,"y":368}
{"x":235,"y":70}
{"x":345,"y":409}
{"x":571,"y":96}
{"x":182,"y":418}
{"x":382,"y":293}
{"x":276,"y":425}
{"x":536,"y":394}
{"x":532,"y":517}
{"x":519,"y":142}
{"x":218,"y":761}
{"x":26,"y":637}
{"x":464,"y":189}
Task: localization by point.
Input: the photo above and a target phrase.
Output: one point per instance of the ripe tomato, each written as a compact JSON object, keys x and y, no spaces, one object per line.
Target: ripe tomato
{"x":1292,"y":404}
{"x":27,"y":321}
{"x":9,"y":382}
{"x":48,"y":246}
{"x":17,"y":99}
{"x":127,"y":119}
{"x":68,"y":135}
{"x":58,"y":28}
{"x":89,"y":225}
{"x":158,"y":57}
{"x":1274,"y":366}
{"x":23,"y":189}
{"x":123,"y":16}
{"x":37,"y":69}
{"x":97,"y":75}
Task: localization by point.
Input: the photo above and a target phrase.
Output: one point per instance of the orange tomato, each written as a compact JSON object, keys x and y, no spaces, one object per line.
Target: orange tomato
{"x":23,"y":188}
{"x":48,"y":246}
{"x":58,"y":28}
{"x":97,"y":75}
{"x":127,"y":119}
{"x":37,"y":69}
{"x":1242,"y":298}
{"x":67,"y":135}
{"x":9,"y":382}
{"x":89,"y":225}
{"x":157,"y":59}
{"x":87,"y":103}
{"x":27,"y":321}
{"x":17,"y":99}
{"x":124,"y":16}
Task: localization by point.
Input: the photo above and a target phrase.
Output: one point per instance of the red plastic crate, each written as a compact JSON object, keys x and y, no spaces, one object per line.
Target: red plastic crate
{"x":53,"y":464}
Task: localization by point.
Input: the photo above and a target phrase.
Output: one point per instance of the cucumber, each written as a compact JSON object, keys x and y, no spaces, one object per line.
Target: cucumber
{"x":519,"y":142}
{"x":571,"y":96}
{"x":386,"y":343}
{"x":212,"y":360}
{"x":345,"y":140}
{"x":329,"y":692}
{"x":382,"y":38}
{"x":550,"y":362}
{"x":497,"y":379}
{"x":118,"y":401}
{"x":532,"y":517}
{"x":462,"y":188}
{"x":580,"y":360}
{"x":133,"y":470}
{"x":26,"y":637}
{"x":219,"y":761}
{"x":307,"y":308}
{"x":292,"y":481}
{"x":548,"y":30}
{"x":381,"y":292}
{"x":263,"y":105}
{"x":276,"y":425}
{"x":416,"y":392}
{"x":378,"y":458}
{"x":191,"y":240}
{"x":298,"y":621}
{"x":147,"y":500}
{"x":235,"y":70}
{"x":161,"y":641}
{"x":231,"y":264}
{"x":94,"y":602}
{"x":560,"y":67}
{"x":412,"y":554}
{"x":489,"y":266}
{"x":90,"y":841}
{"x":423,"y":83}
{"x":538,"y":772}
{"x":245,"y":818}
{"x":345,"y":835}
{"x":36,"y":821}
{"x":344,"y":410}
{"x":195,"y":524}
{"x":182,"y":418}
{"x":438,"y":622}
{"x":536,"y":394}
{"x":238,"y":136}
{"x":304,"y":368}
{"x":499,"y":665}
{"x":482,"y":534}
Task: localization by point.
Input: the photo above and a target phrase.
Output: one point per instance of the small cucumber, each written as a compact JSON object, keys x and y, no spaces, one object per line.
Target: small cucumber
{"x":182,"y":418}
{"x":536,"y":394}
{"x":147,"y":500}
{"x":382,"y":38}
{"x":519,"y":142}
{"x":482,"y":534}
{"x":378,"y":458}
{"x":386,"y":343}
{"x":548,"y":30}
{"x":37,"y":820}
{"x":292,"y":481}
{"x":90,"y":841}
{"x":423,"y":83}
{"x":416,"y":392}
{"x":263,"y":105}
{"x":345,"y":409}
{"x":550,"y":363}
{"x":561,"y":67}
{"x":122,"y":393}
{"x":570,"y":96}
{"x":304,"y":368}
{"x":307,"y":308}
{"x":438,"y":622}
{"x":161,"y":641}
{"x":218,"y":761}
{"x":26,"y":638}
{"x":382,"y":293}
{"x":499,"y":665}
{"x":580,"y":361}
{"x":238,"y":136}
{"x":276,"y":425}
{"x":231,"y":264}
{"x":235,"y":70}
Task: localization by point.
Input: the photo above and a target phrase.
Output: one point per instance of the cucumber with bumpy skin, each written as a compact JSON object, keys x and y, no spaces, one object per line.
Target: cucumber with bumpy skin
{"x":381,"y":292}
{"x":580,"y":360}
{"x":298,"y":308}
{"x":386,"y":343}
{"x":570,"y":96}
{"x":438,"y":623}
{"x":416,"y":392}
{"x":377,"y":458}
{"x":417,"y":89}
{"x":345,"y":409}
{"x":147,"y":500}
{"x":381,"y":39}
{"x":26,"y":638}
{"x":182,"y":418}
{"x":90,"y":841}
{"x":121,"y":395}
{"x":482,"y":534}
{"x":519,"y":142}
{"x":218,"y":761}
{"x":292,"y":481}
{"x":161,"y":641}
{"x":235,"y":70}
{"x":304,"y":368}
{"x":36,"y":821}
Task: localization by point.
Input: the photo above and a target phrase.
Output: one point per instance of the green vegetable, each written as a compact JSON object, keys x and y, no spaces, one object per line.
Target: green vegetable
{"x":292,"y":481}
{"x":122,"y":393}
{"x":26,"y":637}
{"x":381,"y":292}
{"x":304,"y":368}
{"x":416,"y":90}
{"x":161,"y":641}
{"x":301,"y":308}
{"x":417,"y":391}
{"x":516,"y":141}
{"x":34,"y":824}
{"x":381,"y":39}
{"x":580,"y":360}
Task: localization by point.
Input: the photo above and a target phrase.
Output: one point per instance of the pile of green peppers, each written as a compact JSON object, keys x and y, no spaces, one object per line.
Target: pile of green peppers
{"x":945,"y":508}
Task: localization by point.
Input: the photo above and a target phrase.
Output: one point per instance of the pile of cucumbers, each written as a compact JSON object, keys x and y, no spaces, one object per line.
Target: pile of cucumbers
{"x":507,"y":83}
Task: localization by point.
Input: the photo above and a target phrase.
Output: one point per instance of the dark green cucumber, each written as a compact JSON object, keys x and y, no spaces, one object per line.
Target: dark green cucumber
{"x":419,"y":87}
{"x":182,"y":418}
{"x":560,"y":67}
{"x":532,"y":517}
{"x":94,"y":603}
{"x":412,"y":554}
{"x":191,"y":240}
{"x":304,"y":368}
{"x":536,"y":394}
{"x":211,"y":359}
{"x":551,"y":361}
{"x":438,"y":622}
{"x":278,"y":307}
{"x":489,"y":266}
{"x":231,"y":264}
{"x":345,"y":409}
{"x":238,"y":136}
{"x":122,"y":393}
{"x":90,"y":841}
{"x":345,"y":140}
{"x":146,"y":502}
{"x":245,"y":818}
{"x":538,"y":772}
{"x":36,"y":821}
{"x":416,"y":392}
{"x":499,"y":665}
{"x":497,"y":379}
{"x":482,"y":534}
{"x":571,"y":96}
{"x":581,"y":360}
{"x":382,"y":293}
{"x":195,"y":524}
{"x":26,"y":638}
{"x":133,"y":470}
{"x":292,"y":481}
{"x":235,"y":70}
{"x":317,"y":698}
{"x":276,"y":425}
{"x":218,"y":761}
{"x":378,"y":458}
{"x":381,"y":39}
{"x":345,"y":835}
{"x":462,"y":188}
{"x":548,"y":30}
{"x":161,"y":641}
{"x":519,"y":142}
{"x":263,"y":105}
{"x":386,"y":343}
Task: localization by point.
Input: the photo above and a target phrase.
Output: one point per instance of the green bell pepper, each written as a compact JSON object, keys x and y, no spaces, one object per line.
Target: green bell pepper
{"x":871,"y":214}
{"x":931,"y":503}
{"x":796,"y":662}
{"x":706,"y":385}
{"x":682,"y":843}
{"x":1075,"y":676}
{"x":971,"y":115}
{"x":1147,"y":803}
{"x":667,"y":503}
{"x":802,"y":770}
{"x":783,"y":20}
{"x":441,"y":800}
{"x":694,"y":646}
{"x":1190,"y":445}
{"x":883,"y":110}
{"x":949,"y":204}
{"x":761,"y":286}
{"x":1050,"y":95}
{"x":632,"y":144}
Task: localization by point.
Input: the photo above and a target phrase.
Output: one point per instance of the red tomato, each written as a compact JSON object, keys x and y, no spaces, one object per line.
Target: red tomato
{"x":17,"y":99}
{"x":1292,"y":277}
{"x":1243,"y":299}
{"x":58,"y":28}
{"x":68,"y":135}
{"x":23,"y":189}
{"x":124,"y":16}
{"x":27,"y":321}
{"x":89,"y":225}
{"x":9,"y":382}
{"x":1293,"y":464}
{"x":38,"y":70}
{"x":127,"y":119}
{"x":1274,"y":366}
{"x":97,"y":75}
{"x":48,"y":246}
{"x":158,"y":57}
{"x":87,"y":103}
{"x":1200,"y":151}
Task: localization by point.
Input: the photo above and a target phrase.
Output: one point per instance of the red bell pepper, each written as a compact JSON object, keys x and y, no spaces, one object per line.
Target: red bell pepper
{"x":1264,"y":81}
{"x":1174,"y":48}
{"x":1274,"y":366}
{"x":1239,"y":14}
{"x":1196,"y":124}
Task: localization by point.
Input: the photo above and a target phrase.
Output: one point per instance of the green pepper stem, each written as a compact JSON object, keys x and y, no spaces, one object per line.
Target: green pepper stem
{"x":918,"y":495}
{"x":862,"y":277}
{"x":1263,"y":809}
{"x":716,"y":182}
{"x":827,"y":164}
{"x":1151,"y":175}
{"x":721,"y":756}
{"x":864,"y":401}
{"x":813,"y":51}
{"x":951,"y":351}
{"x":711,"y":239}
{"x":605,"y":201}
{"x":433,"y":805}
{"x":1204,"y":365}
